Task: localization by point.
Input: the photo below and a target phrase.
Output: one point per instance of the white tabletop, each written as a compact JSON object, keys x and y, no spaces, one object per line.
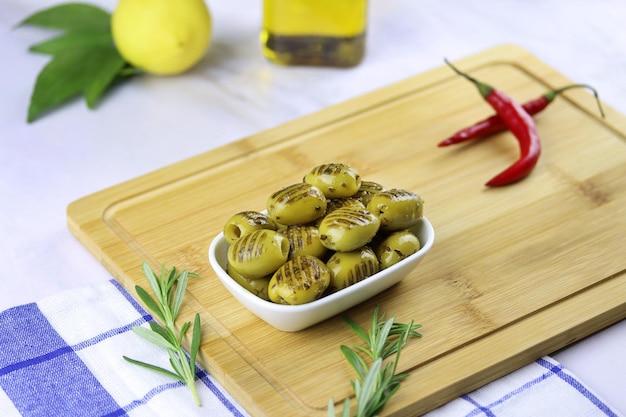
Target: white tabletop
{"x":152,"y":122}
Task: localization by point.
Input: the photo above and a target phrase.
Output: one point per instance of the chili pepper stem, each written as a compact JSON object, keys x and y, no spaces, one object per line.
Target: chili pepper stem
{"x":551,"y":95}
{"x":484,"y":89}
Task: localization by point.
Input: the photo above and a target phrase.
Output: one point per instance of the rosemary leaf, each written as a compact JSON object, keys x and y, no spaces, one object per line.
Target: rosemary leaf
{"x":182,"y":332}
{"x":154,"y":337}
{"x":177,"y":363}
{"x":164,"y":333}
{"x":154,"y":284}
{"x":356,"y":328}
{"x":355,"y":360}
{"x":154,"y":368}
{"x":149,"y":302}
{"x":368,"y":388}
{"x":169,"y":280}
{"x":195,"y":339}
{"x":181,"y":287}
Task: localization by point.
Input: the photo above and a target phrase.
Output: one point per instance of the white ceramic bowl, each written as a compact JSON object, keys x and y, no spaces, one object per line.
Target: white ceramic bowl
{"x":291,"y":318}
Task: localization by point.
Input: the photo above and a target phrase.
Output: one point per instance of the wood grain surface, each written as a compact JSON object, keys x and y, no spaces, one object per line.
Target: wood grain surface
{"x":515,"y":273}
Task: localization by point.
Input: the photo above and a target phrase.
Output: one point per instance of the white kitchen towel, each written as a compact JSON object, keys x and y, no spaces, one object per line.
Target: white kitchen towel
{"x":62,"y":356}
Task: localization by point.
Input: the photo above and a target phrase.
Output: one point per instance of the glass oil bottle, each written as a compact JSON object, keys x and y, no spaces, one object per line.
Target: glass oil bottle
{"x":314,"y":32}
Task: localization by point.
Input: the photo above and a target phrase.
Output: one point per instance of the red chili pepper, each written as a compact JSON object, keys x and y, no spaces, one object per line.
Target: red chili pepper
{"x":519,"y":122}
{"x":495,"y":124}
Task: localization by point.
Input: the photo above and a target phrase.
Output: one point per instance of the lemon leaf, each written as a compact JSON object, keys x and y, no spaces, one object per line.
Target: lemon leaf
{"x":71,"y":17}
{"x":89,"y":71}
{"x":73,"y":40}
{"x":111,"y":64}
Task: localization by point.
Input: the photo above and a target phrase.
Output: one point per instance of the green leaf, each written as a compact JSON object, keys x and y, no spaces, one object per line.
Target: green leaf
{"x":183,"y":331}
{"x":71,"y":17}
{"x":72,"y":41}
{"x":368,"y":388}
{"x":154,"y":282}
{"x":195,"y":340}
{"x":163,"y":332}
{"x":154,"y":368}
{"x":179,"y":294}
{"x":380,"y":341}
{"x":107,"y":63}
{"x":169,"y":281}
{"x":149,"y":302}
{"x":153,"y":337}
{"x":354,"y":360}
{"x":70,"y":73}
{"x":177,"y":363}
{"x":358,"y":330}
{"x":331,"y":407}
{"x":346,"y":408}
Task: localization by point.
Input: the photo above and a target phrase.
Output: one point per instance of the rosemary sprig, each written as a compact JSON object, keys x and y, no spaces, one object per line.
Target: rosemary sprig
{"x":378,"y":381}
{"x":169,"y":290}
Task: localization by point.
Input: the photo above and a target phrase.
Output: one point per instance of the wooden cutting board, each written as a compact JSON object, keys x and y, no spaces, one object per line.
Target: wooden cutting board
{"x":515,"y":272}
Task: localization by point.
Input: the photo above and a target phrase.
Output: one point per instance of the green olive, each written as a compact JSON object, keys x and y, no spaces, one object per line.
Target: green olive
{"x":396,"y":247}
{"x":304,"y":240}
{"x":258,"y":253}
{"x":257,"y":286}
{"x":245,"y":222}
{"x":335,"y":203}
{"x":397,"y":209}
{"x":299,"y":203}
{"x":348,"y":228}
{"x":334,"y":179}
{"x":351,"y":267}
{"x":367,"y":190}
{"x":299,"y":281}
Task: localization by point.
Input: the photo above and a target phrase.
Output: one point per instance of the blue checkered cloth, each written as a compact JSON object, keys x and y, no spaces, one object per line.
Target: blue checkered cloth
{"x":62,"y":356}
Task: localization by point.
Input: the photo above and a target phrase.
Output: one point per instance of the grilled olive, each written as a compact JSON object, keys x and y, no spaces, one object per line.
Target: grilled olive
{"x":300,"y":280}
{"x":334,"y":179}
{"x":348,"y":228}
{"x":367,"y":190}
{"x":335,"y":203}
{"x":245,"y":222}
{"x":258,"y":253}
{"x":257,"y":286}
{"x":299,"y":203}
{"x":395,"y":247}
{"x":396,"y":209}
{"x":351,"y":267}
{"x":304,"y":240}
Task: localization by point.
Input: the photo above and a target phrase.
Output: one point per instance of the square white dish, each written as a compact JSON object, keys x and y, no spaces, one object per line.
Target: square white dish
{"x":292,"y":318}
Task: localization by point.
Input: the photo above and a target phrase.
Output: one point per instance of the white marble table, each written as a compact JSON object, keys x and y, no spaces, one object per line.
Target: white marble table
{"x":152,"y":122}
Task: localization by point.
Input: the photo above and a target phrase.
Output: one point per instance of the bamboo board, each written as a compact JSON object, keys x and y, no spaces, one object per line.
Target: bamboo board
{"x":515,"y":272}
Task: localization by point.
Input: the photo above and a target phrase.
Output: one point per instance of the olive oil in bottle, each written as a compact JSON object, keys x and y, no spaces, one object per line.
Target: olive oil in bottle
{"x":314,"y":32}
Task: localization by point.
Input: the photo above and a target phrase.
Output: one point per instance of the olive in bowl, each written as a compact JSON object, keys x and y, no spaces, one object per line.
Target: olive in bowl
{"x":291,"y":318}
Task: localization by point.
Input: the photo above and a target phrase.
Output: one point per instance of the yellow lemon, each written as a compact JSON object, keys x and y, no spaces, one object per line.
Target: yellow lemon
{"x":162,"y":37}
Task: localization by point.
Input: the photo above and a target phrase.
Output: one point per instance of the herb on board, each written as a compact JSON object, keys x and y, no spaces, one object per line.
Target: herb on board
{"x":169,"y":290}
{"x":84,"y":57}
{"x":377,"y":380}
